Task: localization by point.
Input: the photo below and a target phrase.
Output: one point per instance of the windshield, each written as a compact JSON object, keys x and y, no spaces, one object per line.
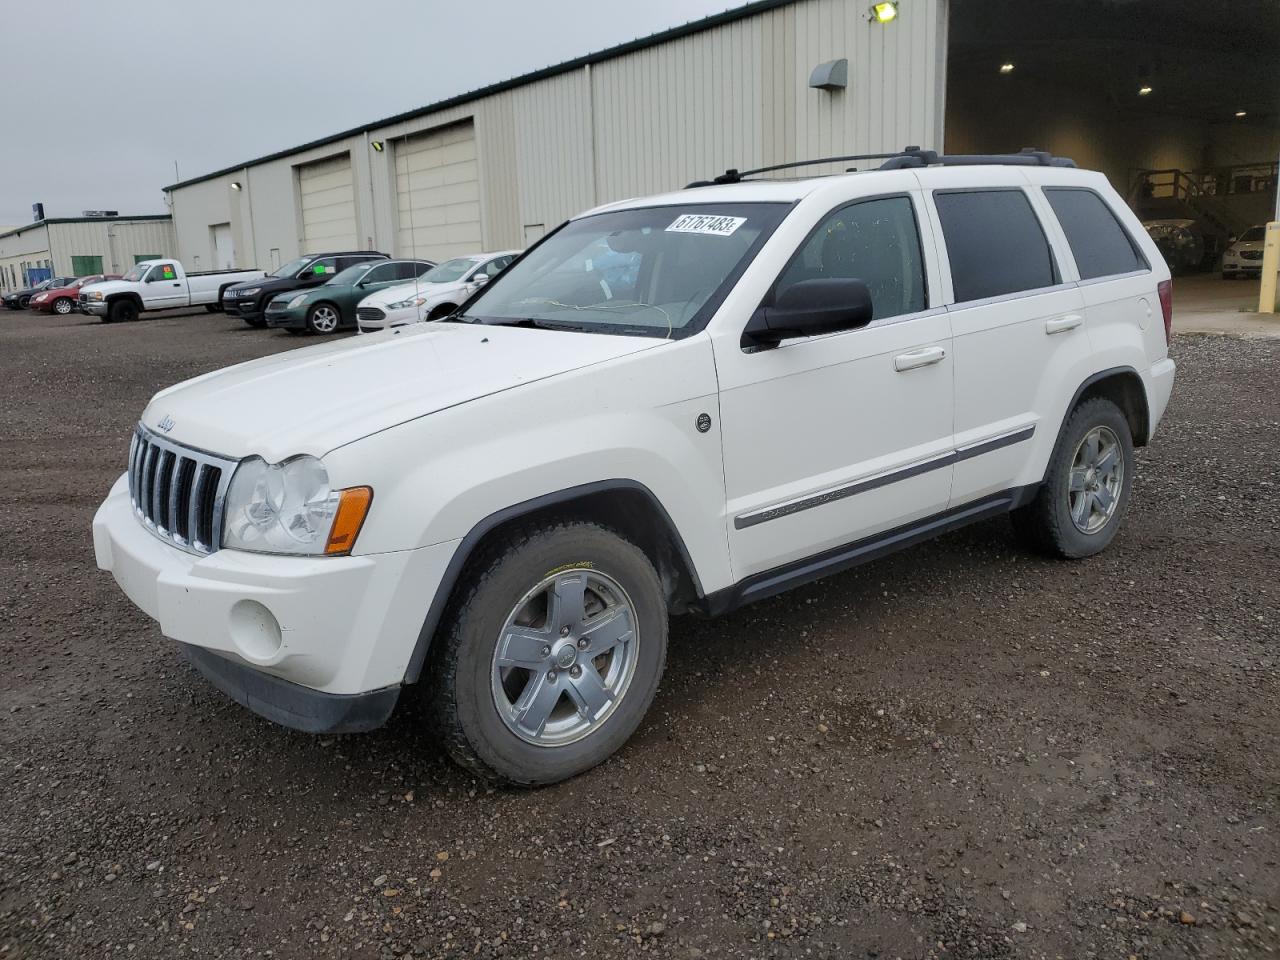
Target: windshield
{"x":450,"y":270}
{"x":1254,"y":233}
{"x":291,"y":268}
{"x":655,"y":271}
{"x":351,"y":276}
{"x":135,"y":275}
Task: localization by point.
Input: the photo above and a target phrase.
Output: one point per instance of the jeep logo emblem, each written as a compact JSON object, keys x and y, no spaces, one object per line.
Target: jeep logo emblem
{"x":166,"y":424}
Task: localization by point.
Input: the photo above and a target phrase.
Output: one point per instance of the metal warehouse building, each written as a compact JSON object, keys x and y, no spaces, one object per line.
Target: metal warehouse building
{"x":1172,"y":102}
{"x":81,"y":246}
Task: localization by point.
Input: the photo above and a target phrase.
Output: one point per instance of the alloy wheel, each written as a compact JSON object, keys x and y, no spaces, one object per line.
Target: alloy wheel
{"x":324,"y":319}
{"x":1097,"y":477}
{"x":62,"y":306}
{"x":565,"y":657}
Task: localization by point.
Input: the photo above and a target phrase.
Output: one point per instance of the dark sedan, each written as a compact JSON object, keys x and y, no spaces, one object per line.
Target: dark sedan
{"x":18,"y":299}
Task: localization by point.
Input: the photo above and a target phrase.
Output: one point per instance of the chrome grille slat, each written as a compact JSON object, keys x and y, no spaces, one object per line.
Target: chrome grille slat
{"x":178,"y":492}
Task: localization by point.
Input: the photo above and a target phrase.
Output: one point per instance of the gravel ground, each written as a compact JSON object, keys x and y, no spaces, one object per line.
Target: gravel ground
{"x":961,"y":751}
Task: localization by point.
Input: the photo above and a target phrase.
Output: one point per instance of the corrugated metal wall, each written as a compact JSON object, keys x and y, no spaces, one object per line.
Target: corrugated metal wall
{"x":734,"y":95}
{"x":117,"y":242}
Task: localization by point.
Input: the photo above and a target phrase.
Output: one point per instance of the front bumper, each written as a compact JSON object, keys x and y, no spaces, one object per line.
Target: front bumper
{"x":97,"y":308}
{"x":390,"y":318}
{"x":315,"y":643}
{"x":285,"y":318}
{"x":246,"y":309}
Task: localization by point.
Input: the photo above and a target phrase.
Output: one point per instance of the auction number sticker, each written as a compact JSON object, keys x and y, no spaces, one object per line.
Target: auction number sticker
{"x":708,"y":223}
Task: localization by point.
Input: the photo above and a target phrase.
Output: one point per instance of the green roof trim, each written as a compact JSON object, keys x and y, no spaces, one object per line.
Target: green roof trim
{"x":631,"y":46}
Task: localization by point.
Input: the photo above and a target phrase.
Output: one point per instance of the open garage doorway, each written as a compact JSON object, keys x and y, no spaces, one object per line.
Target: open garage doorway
{"x":1176,"y":101}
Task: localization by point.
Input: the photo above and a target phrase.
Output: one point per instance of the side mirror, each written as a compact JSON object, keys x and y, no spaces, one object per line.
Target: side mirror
{"x":480,"y":279}
{"x":810,"y":308}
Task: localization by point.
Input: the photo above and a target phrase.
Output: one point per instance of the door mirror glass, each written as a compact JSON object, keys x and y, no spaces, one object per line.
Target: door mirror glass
{"x":810,"y":308}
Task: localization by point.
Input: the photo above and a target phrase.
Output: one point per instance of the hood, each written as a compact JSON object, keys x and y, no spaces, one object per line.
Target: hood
{"x":107,"y":287}
{"x":266,"y":283}
{"x":403,"y":291}
{"x":318,"y":398}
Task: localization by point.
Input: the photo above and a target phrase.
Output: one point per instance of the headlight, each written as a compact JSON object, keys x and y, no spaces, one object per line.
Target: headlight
{"x":298,"y":301}
{"x":97,"y":294}
{"x":40,"y":297}
{"x":251,"y":292}
{"x":405,"y":304}
{"x":289,"y":508}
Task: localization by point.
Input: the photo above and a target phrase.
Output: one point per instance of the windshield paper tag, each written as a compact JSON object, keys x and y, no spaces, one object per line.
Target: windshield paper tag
{"x":706,"y":223}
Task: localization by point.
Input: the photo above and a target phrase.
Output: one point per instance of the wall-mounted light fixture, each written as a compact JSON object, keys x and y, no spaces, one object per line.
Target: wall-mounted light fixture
{"x":1241,"y":113}
{"x":832,"y":75}
{"x":377,"y":145}
{"x":1144,"y":90}
{"x":1006,"y":67}
{"x":884,"y":12}
{"x":235,"y":185}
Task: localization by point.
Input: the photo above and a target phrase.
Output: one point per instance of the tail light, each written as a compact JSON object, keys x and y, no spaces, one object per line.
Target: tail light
{"x":1166,"y":307}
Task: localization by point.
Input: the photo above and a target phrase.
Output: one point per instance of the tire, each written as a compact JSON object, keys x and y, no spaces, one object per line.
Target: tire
{"x":323,"y":318}
{"x":1071,"y":524}
{"x":122,"y":311}
{"x":441,"y":311}
{"x":472,"y":697}
{"x":212,"y":308}
{"x":24,"y":302}
{"x":63,"y":306}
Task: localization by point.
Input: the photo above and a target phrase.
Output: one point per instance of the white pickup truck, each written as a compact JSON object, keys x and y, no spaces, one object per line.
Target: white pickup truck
{"x":158,"y":285}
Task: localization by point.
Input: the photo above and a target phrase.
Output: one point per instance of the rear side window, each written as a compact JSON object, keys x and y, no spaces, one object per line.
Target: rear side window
{"x":1100,"y":245}
{"x":875,"y":241}
{"x":994,"y":242}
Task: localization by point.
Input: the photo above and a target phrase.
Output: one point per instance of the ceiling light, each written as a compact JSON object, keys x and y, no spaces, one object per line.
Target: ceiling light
{"x":1144,"y":90}
{"x":235,"y":184}
{"x":1241,"y":113}
{"x":884,"y":12}
{"x":1006,"y":68}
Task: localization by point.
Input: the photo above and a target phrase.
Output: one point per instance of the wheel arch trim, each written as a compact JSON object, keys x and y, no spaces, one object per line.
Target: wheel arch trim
{"x":560,"y":498}
{"x":1092,"y":380}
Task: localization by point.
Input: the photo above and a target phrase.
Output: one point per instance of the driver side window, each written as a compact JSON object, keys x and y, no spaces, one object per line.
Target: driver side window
{"x":875,"y":241}
{"x":161,"y":271}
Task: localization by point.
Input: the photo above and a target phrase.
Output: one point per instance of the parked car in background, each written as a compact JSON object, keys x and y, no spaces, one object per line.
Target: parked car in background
{"x":248,"y":301}
{"x":1243,"y":258}
{"x":157,"y":285}
{"x":1181,"y":243}
{"x":793,"y":377}
{"x":436,"y":294}
{"x":332,"y":305}
{"x":66,"y":299}
{"x":21,"y":299}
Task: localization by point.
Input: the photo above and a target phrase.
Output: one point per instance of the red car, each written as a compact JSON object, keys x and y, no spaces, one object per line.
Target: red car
{"x":63,"y":299}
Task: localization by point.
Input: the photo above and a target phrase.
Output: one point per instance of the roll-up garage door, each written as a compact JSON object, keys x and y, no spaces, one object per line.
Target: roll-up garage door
{"x":328,"y":205}
{"x":438,"y":193}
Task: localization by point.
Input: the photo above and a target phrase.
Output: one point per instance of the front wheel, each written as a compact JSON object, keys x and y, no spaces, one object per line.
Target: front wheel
{"x":323,"y":318}
{"x":62,"y":305}
{"x":551,"y":655}
{"x":1078,"y":509}
{"x":122,"y":311}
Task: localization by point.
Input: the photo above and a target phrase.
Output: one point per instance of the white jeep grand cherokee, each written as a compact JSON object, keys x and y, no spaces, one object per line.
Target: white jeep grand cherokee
{"x":677,"y":404}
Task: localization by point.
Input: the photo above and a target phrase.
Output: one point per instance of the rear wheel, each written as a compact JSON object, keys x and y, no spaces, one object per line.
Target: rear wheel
{"x":62,"y":305}
{"x":1078,"y":509}
{"x":122,"y":311}
{"x":550,"y":656}
{"x":323,"y":318}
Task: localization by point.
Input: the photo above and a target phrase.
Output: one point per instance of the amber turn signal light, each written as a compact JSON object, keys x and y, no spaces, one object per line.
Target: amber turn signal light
{"x":352,"y":509}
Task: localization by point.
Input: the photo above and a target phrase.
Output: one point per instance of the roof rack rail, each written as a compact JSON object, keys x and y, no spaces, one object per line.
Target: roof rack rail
{"x":906,"y":158}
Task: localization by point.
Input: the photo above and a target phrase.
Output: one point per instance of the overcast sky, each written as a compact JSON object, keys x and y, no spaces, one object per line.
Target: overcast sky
{"x":117,"y":92}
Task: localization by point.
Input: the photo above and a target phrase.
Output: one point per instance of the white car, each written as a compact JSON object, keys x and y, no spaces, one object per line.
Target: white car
{"x":1244,"y":257}
{"x":437,"y":293}
{"x":676,"y":404}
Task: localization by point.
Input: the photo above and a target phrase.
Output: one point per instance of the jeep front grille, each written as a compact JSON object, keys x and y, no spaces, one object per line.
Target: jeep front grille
{"x":177,"y":492}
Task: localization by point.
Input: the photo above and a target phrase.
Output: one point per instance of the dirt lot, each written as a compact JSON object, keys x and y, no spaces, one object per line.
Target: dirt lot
{"x":962,"y":751}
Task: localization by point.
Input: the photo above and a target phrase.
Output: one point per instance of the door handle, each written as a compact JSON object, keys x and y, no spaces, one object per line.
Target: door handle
{"x":1063,"y":324}
{"x":918,"y":358}
{"x":177,"y":284}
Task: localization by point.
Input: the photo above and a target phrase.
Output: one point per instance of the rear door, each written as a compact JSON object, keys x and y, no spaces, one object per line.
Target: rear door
{"x":1017,"y":319}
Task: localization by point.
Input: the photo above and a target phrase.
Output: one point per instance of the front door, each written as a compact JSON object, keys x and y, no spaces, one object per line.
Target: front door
{"x":831,"y":439}
{"x":162,"y":288}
